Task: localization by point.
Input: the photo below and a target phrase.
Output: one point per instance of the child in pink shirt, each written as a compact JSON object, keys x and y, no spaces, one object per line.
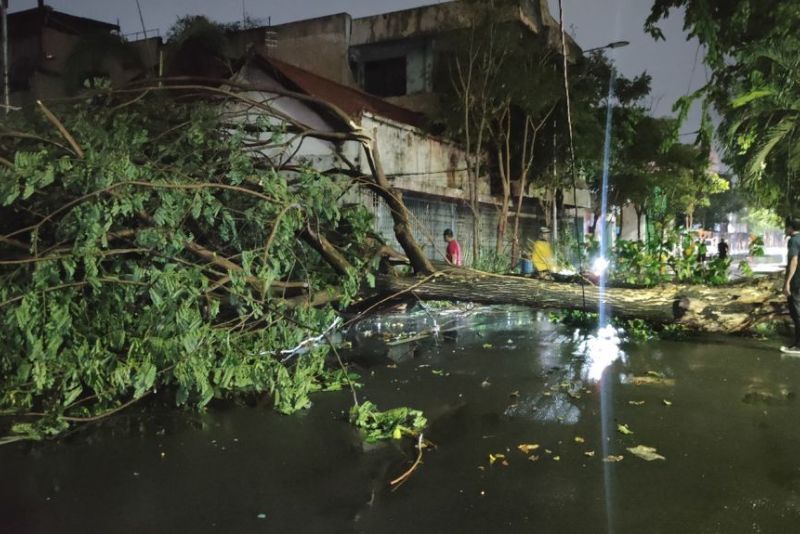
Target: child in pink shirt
{"x":453,"y":253}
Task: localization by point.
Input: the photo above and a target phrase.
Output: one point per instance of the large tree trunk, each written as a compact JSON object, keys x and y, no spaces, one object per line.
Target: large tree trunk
{"x":726,"y":309}
{"x":394,"y":199}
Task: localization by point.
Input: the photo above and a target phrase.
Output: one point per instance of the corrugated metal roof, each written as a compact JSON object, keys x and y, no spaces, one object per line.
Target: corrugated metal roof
{"x":350,"y":100}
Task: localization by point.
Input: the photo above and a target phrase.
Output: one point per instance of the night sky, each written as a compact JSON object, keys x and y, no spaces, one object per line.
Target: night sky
{"x":592,"y":23}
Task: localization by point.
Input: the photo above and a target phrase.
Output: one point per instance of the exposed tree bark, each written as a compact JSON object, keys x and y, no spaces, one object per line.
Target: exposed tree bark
{"x":394,"y":199}
{"x":333,"y":257}
{"x":726,"y":309}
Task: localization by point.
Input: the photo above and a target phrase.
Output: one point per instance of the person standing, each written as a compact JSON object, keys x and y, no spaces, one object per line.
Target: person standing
{"x":542,"y":253}
{"x":791,"y":284}
{"x":453,"y":252}
{"x":702,"y":251}
{"x":722,"y":249}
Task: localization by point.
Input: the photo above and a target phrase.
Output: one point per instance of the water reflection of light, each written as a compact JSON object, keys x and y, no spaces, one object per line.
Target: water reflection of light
{"x":600,"y":350}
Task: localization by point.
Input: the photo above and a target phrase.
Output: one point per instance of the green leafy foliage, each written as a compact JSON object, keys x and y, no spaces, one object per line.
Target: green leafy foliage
{"x":394,"y":423}
{"x":752,"y":51}
{"x":162,"y":258}
{"x":666,"y":257}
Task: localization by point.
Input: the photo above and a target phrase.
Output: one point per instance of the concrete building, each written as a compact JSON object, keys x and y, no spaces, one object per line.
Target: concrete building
{"x":379,"y":70}
{"x":430,"y":171}
{"x":398,"y":55}
{"x":51,"y":52}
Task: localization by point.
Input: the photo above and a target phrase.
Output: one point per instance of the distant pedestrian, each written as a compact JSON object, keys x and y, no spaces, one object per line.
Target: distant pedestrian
{"x":702,"y":251}
{"x":722,"y":249}
{"x":453,"y":253}
{"x":791,"y":284}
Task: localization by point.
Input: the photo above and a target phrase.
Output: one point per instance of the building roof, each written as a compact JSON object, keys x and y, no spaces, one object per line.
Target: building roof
{"x":351,"y":101}
{"x":30,"y":21}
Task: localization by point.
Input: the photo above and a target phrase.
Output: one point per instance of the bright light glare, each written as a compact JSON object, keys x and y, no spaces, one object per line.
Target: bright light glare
{"x":601,"y":351}
{"x":599,"y":266}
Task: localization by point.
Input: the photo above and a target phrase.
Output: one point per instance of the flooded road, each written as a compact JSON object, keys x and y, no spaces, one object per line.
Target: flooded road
{"x":722,"y":412}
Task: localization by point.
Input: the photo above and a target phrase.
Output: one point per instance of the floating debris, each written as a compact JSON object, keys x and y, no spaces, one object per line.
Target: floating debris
{"x":667,"y":403}
{"x":645,"y":453}
{"x":497,"y":457}
{"x":527,"y":447}
{"x":579,"y":439}
{"x":590,"y":454}
{"x":623,"y":429}
{"x":636,"y":403}
{"x":613,"y":459}
{"x":652,"y":381}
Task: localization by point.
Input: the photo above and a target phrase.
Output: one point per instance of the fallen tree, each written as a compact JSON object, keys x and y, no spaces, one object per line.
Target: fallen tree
{"x":151,"y":238}
{"x":725,"y":309}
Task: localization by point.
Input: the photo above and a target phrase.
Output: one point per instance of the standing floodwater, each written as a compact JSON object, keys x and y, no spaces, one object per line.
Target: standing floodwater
{"x":721,"y":412}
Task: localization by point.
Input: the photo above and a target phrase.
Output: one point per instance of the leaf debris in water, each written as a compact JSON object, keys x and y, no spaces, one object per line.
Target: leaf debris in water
{"x":498,"y":456}
{"x":527,"y":447}
{"x":645,"y":453}
{"x":612,"y":459}
{"x":487,"y":345}
{"x":590,"y":454}
{"x":623,"y":429}
{"x":667,"y":403}
{"x":636,"y":403}
{"x":652,"y":381}
{"x":579,"y":439}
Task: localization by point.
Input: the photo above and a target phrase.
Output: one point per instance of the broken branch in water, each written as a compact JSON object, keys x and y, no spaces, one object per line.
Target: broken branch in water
{"x":405,"y":476}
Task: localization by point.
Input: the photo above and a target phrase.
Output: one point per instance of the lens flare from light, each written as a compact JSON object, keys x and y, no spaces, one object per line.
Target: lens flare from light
{"x":599,"y":266}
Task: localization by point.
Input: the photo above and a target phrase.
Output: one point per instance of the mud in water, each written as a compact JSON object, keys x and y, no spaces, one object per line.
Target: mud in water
{"x":723,"y":412}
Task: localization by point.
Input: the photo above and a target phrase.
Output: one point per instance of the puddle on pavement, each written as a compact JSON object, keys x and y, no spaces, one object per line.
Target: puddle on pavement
{"x":489,"y":379}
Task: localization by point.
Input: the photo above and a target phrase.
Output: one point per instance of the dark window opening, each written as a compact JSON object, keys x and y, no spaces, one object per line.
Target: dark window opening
{"x":386,"y":77}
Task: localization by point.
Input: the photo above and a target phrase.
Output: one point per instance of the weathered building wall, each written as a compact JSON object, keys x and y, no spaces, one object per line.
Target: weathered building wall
{"x":419,"y":162}
{"x":318,"y":45}
{"x":430,"y":216}
{"x":300,"y":150}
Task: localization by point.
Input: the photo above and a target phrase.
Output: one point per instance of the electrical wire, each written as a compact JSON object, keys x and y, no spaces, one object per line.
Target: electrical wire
{"x":571,"y":147}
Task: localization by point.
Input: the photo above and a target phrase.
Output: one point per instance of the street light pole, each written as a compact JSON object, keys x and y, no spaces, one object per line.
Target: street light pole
{"x":615,"y":44}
